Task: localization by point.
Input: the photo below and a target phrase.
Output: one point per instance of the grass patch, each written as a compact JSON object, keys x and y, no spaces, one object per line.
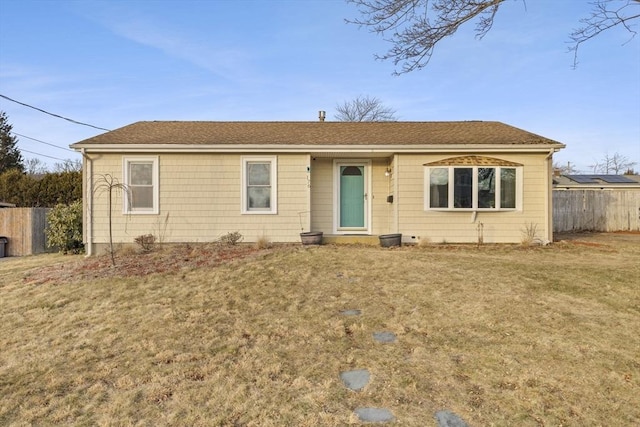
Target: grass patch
{"x":501,"y":335}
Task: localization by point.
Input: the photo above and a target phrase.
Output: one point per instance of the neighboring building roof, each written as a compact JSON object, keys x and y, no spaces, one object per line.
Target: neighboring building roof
{"x":314,"y":134}
{"x":596,"y":181}
{"x":7,"y":205}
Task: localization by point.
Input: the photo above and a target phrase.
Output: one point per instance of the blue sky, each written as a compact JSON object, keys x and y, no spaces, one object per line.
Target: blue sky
{"x":112,"y":63}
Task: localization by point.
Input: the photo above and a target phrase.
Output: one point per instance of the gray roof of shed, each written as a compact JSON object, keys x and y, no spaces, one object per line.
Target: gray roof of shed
{"x":597,"y":180}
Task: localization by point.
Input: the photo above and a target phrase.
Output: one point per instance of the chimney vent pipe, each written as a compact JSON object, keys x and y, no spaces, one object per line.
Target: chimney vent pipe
{"x":322,"y":115}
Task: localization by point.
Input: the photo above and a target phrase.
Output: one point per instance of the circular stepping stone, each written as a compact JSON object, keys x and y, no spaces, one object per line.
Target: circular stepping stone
{"x":351,"y":312}
{"x":375,"y":415}
{"x":355,"y":380}
{"x":449,"y":419}
{"x":384,"y":337}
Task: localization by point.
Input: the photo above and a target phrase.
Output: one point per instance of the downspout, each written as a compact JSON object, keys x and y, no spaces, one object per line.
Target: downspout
{"x":549,"y":196}
{"x":388,"y":173}
{"x":87,"y":215}
{"x":396,"y":196}
{"x":309,"y":185}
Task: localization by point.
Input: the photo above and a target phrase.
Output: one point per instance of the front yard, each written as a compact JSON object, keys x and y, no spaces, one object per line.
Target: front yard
{"x":235,"y":336}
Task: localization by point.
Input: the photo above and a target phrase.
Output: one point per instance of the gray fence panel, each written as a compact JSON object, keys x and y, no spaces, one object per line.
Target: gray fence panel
{"x":25,"y":229}
{"x":596,"y":210}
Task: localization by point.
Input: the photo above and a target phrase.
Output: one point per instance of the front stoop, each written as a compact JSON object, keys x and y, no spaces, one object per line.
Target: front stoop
{"x":346,"y":239}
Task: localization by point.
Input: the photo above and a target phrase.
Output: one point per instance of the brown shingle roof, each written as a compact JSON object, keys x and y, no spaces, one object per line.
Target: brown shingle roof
{"x":318,"y":133}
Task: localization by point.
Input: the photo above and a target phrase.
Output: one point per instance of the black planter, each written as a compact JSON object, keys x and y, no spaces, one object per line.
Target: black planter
{"x":388,"y":240}
{"x":311,"y":238}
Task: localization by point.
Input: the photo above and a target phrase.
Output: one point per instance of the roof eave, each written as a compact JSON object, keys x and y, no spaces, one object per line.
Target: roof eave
{"x":628,"y":186}
{"x":306,"y":148}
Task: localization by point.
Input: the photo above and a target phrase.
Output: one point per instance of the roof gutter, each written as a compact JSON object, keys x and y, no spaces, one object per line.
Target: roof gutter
{"x":628,"y":186}
{"x":306,"y":148}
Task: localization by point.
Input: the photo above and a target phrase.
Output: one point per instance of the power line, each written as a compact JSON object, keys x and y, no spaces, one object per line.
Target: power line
{"x":42,"y":142}
{"x":43,"y":155}
{"x":52,"y":114}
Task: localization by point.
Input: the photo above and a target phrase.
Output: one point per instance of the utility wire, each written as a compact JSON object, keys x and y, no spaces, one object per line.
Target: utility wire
{"x":51,"y":114}
{"x":42,"y":142}
{"x":43,"y":155}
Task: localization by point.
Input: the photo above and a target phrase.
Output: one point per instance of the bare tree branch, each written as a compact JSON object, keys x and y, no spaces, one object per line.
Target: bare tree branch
{"x":364,"y":109}
{"x":35,"y":166}
{"x":415,"y":27}
{"x":68,"y":165}
{"x":111,"y":185}
{"x":604,"y":16}
{"x":613,"y":164}
{"x":567,"y":169}
{"x":414,"y":34}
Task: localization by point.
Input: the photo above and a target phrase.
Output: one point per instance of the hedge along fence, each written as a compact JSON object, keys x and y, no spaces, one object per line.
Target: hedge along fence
{"x":596,"y":210}
{"x":25,"y":229}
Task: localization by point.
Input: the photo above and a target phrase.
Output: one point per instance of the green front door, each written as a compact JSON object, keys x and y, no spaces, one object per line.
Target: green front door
{"x":352,"y":197}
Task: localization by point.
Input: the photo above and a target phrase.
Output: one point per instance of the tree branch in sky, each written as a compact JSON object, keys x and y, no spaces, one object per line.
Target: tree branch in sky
{"x":604,"y":16}
{"x":364,"y":109}
{"x":415,"y":27}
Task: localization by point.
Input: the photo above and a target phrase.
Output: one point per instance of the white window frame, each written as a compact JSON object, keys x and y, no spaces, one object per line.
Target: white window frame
{"x":474,"y":206}
{"x":273,"y":209}
{"x":126,"y":203}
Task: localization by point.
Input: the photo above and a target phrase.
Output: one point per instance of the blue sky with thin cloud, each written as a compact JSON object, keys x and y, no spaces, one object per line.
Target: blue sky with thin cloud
{"x":112,"y":63}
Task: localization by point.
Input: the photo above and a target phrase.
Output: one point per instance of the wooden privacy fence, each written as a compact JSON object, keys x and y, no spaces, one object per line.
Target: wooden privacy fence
{"x":24,"y":227}
{"x":596,"y":210}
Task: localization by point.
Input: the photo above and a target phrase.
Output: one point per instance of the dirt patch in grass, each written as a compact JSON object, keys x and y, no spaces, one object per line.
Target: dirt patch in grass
{"x":165,"y":260}
{"x":500,"y":335}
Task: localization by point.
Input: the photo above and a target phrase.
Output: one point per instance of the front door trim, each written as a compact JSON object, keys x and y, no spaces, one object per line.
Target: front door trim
{"x":366,"y":164}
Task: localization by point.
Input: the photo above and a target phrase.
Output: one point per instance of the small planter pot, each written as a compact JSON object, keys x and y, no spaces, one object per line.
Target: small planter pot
{"x":311,"y":238}
{"x":389,"y":240}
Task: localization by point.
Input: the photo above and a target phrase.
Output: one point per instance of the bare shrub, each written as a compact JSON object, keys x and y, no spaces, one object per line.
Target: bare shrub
{"x":529,"y":233}
{"x":146,"y":242}
{"x":424,"y":242}
{"x":231,"y":238}
{"x":162,"y":228}
{"x":263,"y":242}
{"x":126,"y":251}
{"x":480,"y":229}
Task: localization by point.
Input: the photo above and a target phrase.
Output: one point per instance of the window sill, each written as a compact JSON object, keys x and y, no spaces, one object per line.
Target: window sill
{"x":141,"y":213}
{"x":471,"y":210}
{"x":259,"y":212}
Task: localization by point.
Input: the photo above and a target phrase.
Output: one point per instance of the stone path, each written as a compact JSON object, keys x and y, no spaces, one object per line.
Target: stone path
{"x":449,"y":419}
{"x":355,"y":380}
{"x":384,"y":337}
{"x":358,"y":379}
{"x":375,"y":415}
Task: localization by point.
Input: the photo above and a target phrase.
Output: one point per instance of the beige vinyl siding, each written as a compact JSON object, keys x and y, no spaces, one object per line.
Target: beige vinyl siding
{"x":454,"y":227}
{"x":200,"y":200}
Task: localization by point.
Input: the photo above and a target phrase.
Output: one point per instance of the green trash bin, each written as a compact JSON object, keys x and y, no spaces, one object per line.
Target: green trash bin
{"x":3,"y":242}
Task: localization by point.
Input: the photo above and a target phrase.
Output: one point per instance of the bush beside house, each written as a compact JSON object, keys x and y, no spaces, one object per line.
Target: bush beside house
{"x":64,"y":228}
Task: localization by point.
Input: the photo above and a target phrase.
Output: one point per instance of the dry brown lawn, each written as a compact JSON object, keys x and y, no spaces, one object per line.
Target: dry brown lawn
{"x":500,"y":335}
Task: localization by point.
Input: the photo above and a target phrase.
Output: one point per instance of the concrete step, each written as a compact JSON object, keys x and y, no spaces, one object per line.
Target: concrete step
{"x":363,"y":239}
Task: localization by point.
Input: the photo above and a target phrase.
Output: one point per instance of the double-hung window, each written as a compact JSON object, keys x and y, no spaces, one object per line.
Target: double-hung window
{"x":472,"y":187}
{"x":259,"y":185}
{"x":141,"y":178}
